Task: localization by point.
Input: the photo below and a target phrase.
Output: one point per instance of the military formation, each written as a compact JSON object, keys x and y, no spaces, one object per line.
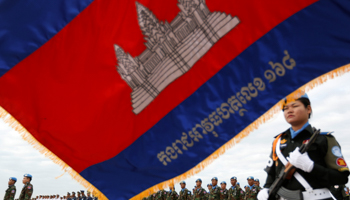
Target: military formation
{"x":27,"y":191}
{"x":213,"y":192}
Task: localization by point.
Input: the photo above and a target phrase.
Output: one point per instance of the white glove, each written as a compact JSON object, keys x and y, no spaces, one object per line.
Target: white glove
{"x":263,"y":194}
{"x":301,"y":161}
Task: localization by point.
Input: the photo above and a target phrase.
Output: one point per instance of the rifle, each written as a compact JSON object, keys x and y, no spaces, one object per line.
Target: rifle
{"x":289,"y":169}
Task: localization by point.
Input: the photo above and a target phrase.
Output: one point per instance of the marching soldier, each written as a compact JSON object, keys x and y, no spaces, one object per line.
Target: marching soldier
{"x":161,"y":195}
{"x":172,"y":194}
{"x":185,"y":194}
{"x":11,"y":191}
{"x":199,"y":193}
{"x":83,"y":196}
{"x":73,"y":197}
{"x":252,"y":190}
{"x":89,"y":196}
{"x":68,"y":196}
{"x":223,"y":191}
{"x":235,"y":192}
{"x":27,"y":189}
{"x":215,"y":190}
{"x":321,"y":167}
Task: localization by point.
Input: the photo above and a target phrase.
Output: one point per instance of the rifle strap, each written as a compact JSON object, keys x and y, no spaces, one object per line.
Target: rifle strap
{"x":284,"y":161}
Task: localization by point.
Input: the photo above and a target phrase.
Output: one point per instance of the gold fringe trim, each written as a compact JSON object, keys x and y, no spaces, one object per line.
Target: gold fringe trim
{"x":253,"y":126}
{"x":13,"y":123}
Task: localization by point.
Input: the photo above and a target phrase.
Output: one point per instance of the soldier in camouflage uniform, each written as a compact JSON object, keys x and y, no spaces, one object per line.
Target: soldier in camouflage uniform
{"x":11,"y":191}
{"x":257,"y":183}
{"x":199,"y":193}
{"x":223,"y":191}
{"x":185,"y":194}
{"x":235,"y":192}
{"x":161,"y":195}
{"x":210,"y":186}
{"x":252,"y":190}
{"x":215,"y":190}
{"x":27,"y":190}
{"x":172,"y":194}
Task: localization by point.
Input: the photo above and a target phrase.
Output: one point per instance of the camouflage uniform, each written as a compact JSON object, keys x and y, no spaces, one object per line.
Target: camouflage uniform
{"x":223,"y":194}
{"x":161,"y":195}
{"x":172,"y":195}
{"x":235,"y":193}
{"x":200,"y":194}
{"x":10,"y":193}
{"x":252,"y":194}
{"x":215,"y":193}
{"x":26,"y":192}
{"x":185,"y":194}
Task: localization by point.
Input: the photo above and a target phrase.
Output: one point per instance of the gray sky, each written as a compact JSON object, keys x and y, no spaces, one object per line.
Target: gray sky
{"x":331,"y":112}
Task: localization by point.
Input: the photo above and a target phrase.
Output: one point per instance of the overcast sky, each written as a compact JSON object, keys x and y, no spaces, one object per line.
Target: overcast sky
{"x":331,"y":112}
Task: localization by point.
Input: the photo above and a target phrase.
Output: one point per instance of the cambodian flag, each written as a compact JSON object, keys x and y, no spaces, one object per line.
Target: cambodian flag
{"x":154,"y":90}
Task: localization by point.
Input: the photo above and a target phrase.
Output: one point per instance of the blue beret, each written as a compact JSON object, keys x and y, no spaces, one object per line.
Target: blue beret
{"x":223,"y":182}
{"x":28,"y":175}
{"x":233,"y":177}
{"x":209,"y":184}
{"x":81,"y":190}
{"x":256,"y":179}
{"x":73,"y":192}
{"x":237,"y":183}
{"x":182,"y":182}
{"x":199,"y":180}
{"x":250,"y":177}
{"x":13,"y":178}
{"x":214,"y":178}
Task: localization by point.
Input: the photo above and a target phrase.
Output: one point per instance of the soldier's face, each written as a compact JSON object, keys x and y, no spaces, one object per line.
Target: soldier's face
{"x":11,"y":182}
{"x":183,"y":185}
{"x":223,"y":186}
{"x":25,"y":180}
{"x":296,"y":114}
{"x":233,"y":182}
{"x":250,"y":182}
{"x":214,"y":182}
{"x":198,"y":184}
{"x":209,"y":187}
{"x":256,"y":183}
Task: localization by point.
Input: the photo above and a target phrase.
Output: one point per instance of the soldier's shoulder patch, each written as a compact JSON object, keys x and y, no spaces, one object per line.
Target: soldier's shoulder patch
{"x":29,"y":187}
{"x":205,"y":192}
{"x":13,"y":191}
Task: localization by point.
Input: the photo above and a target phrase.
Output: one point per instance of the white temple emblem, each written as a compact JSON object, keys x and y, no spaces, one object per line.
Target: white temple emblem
{"x":172,"y":49}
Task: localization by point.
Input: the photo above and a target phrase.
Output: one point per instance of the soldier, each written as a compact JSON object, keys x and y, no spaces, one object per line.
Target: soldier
{"x":11,"y":191}
{"x":79,"y":196}
{"x":161,"y":195}
{"x":209,"y":186}
{"x":257,"y":183}
{"x":215,"y":190}
{"x":68,"y":196}
{"x":27,"y":190}
{"x":252,"y":190}
{"x":235,"y":192}
{"x":83,"y":196}
{"x":321,"y":167}
{"x":172,"y":194}
{"x":89,"y":196}
{"x":73,"y":197}
{"x":223,"y":191}
{"x":185,"y":194}
{"x":199,"y":192}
